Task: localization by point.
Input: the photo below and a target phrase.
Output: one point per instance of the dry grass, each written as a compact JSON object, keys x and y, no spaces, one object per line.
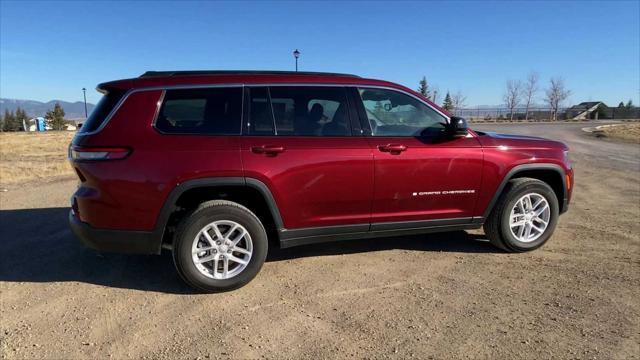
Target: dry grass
{"x":626,"y":132}
{"x":34,"y":156}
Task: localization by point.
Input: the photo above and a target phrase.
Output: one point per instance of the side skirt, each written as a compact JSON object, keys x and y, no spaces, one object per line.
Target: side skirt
{"x":290,"y":238}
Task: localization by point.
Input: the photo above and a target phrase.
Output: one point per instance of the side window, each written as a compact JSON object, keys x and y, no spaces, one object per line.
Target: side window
{"x":310,"y":111}
{"x":392,"y":113}
{"x":102,"y":110}
{"x":212,"y":111}
{"x":260,"y":114}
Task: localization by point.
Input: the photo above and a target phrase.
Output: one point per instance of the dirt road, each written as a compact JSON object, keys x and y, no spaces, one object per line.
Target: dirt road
{"x":444,"y":295}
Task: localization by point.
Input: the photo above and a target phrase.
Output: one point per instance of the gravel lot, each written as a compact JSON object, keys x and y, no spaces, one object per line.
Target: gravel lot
{"x":443,"y":295}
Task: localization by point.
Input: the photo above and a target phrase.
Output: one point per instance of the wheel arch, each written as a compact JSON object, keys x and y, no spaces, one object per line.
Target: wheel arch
{"x":250,"y":192}
{"x":552,"y":174}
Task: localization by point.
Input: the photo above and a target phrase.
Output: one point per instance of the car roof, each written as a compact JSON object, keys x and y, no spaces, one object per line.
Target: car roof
{"x":237,"y":72}
{"x":162,"y":79}
{"x":152,"y":79}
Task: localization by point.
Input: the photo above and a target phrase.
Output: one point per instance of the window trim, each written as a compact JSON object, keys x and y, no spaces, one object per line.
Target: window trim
{"x":161,"y":102}
{"x":243,"y":85}
{"x":246,"y":112}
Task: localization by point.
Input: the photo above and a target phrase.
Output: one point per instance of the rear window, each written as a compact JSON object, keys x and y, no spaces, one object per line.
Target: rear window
{"x":213,"y":111}
{"x":102,"y":110}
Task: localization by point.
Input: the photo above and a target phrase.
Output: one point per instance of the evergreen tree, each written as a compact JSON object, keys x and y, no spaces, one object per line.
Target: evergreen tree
{"x":10,"y":122}
{"x":55,"y":117}
{"x":629,"y":104}
{"x":448,"y":103}
{"x":621,"y":105}
{"x":424,"y":88}
{"x":21,"y":118}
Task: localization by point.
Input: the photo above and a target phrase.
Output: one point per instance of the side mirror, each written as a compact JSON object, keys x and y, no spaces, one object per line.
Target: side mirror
{"x":458,"y":126}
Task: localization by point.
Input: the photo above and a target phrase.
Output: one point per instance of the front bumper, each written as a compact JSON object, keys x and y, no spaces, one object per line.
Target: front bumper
{"x":119,"y":241}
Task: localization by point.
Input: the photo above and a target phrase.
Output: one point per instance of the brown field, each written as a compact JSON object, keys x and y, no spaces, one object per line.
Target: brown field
{"x":33,"y":156}
{"x":627,"y":132}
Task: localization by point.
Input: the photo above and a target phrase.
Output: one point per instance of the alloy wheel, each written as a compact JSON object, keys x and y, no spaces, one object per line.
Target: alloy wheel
{"x":222,"y":249}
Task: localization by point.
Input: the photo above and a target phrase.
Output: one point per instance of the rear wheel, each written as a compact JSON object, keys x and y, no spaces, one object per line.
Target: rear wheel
{"x":219,"y":246}
{"x":524,"y":217}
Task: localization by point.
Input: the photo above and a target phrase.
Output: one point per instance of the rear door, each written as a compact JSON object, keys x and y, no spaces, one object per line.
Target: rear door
{"x":302,"y":143}
{"x":420,"y":175}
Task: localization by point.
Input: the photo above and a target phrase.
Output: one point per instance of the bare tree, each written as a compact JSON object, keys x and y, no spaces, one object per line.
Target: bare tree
{"x":529,"y":91}
{"x":555,"y":95}
{"x":458,"y":101}
{"x":512,"y":95}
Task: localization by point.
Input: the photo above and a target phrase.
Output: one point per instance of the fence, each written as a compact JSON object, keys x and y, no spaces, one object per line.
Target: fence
{"x":542,"y":114}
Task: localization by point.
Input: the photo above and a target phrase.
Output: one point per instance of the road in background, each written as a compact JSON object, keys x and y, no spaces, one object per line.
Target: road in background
{"x":441,"y":295}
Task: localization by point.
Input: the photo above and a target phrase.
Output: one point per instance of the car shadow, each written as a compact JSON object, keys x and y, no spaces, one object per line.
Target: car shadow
{"x":36,"y":245}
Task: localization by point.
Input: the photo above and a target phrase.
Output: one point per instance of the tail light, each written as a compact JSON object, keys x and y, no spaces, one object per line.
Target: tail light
{"x":98,"y":153}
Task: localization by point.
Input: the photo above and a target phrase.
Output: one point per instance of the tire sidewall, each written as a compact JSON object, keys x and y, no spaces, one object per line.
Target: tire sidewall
{"x":201,"y":218}
{"x":542,"y":189}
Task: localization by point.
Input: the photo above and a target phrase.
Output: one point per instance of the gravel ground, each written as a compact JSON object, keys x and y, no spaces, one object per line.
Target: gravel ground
{"x":446,"y":295}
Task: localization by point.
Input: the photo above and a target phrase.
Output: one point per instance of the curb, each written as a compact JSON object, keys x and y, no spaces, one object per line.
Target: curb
{"x":599,"y":129}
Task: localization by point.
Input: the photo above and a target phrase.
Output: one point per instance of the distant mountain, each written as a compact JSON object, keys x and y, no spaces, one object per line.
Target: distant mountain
{"x":34,"y":108}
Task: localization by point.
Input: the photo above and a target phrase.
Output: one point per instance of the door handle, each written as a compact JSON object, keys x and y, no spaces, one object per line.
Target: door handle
{"x":267,"y":149}
{"x":394,"y":149}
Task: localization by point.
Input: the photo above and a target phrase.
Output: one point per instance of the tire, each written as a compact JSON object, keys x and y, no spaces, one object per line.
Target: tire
{"x":498,"y":227}
{"x":224,"y":216}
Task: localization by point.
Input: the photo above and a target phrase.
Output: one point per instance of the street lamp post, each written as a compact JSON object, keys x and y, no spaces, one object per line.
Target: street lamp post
{"x":296,"y":54}
{"x":84,"y":94}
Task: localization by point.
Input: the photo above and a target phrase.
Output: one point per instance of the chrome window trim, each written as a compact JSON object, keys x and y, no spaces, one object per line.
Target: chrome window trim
{"x":205,"y":86}
{"x":157,"y":112}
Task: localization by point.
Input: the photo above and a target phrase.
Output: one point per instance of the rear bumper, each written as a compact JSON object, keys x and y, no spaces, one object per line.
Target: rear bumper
{"x":120,"y":241}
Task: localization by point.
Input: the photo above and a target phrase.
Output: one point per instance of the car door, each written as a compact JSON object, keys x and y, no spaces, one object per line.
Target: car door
{"x":298,"y":141}
{"x":420,"y":174}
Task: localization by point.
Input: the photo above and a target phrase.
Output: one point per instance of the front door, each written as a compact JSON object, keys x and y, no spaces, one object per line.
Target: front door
{"x":419,"y":173}
{"x":298,"y":141}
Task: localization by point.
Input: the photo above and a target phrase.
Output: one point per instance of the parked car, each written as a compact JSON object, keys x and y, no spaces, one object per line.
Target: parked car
{"x":217,"y":166}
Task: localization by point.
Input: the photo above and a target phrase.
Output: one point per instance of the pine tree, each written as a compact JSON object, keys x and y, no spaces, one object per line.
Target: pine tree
{"x":621,"y":105}
{"x":448,"y":103}
{"x":21,"y":118}
{"x":629,"y":104}
{"x":10,"y":123}
{"x":55,"y":117}
{"x":424,"y":88}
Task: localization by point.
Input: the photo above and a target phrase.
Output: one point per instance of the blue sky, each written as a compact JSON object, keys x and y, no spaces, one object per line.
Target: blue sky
{"x":50,"y":50}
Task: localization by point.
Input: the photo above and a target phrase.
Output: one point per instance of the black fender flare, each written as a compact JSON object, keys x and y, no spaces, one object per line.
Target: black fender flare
{"x":525,"y":167}
{"x":169,"y":205}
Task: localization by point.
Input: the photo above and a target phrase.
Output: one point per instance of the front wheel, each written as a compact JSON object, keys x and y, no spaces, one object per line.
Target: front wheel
{"x":219,"y":246}
{"x":524,"y":217}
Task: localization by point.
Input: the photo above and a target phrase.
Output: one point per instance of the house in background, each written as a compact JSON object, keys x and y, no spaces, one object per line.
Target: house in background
{"x":588,"y":110}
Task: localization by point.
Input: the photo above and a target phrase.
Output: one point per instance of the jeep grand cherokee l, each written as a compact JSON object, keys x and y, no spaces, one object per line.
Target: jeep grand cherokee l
{"x":219,"y":165}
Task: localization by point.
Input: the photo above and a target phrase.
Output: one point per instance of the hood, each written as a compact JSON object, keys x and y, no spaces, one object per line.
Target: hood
{"x":493,"y":139}
{"x":514,"y":137}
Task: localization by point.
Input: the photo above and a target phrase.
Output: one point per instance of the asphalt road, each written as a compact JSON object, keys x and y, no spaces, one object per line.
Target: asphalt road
{"x":442,"y":295}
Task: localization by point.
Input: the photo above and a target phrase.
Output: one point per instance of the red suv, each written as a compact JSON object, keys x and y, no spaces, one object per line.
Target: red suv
{"x":218,"y":165}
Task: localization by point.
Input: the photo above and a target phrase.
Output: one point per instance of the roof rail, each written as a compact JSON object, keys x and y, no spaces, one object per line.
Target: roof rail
{"x":238,"y":72}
